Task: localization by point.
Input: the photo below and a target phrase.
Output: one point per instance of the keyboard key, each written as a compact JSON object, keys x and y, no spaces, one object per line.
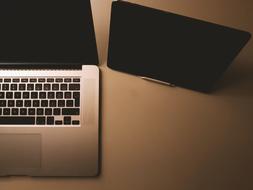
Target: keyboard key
{"x":67,"y":80}
{"x":40,"y":111}
{"x":44,"y":103}
{"x":2,"y":95}
{"x":77,"y":102}
{"x":69,"y":103}
{"x":52,"y":103}
{"x":31,"y":111}
{"x":9,"y":95}
{"x":5,"y":87}
{"x":15,"y":80}
{"x":67,"y":95}
{"x":47,"y":87}
{"x":14,"y":86}
{"x":75,"y":122}
{"x":58,"y":122}
{"x":38,"y":86}
{"x":48,"y":111}
{"x":26,"y":95}
{"x":17,"y":120}
{"x":59,"y":95}
{"x":6,"y":111}
{"x":1,"y":110}
{"x":23,"y":111}
{"x":57,"y":111}
{"x":24,"y":80}
{"x":36,"y":103}
{"x":30,"y":86}
{"x":17,"y":95}
{"x":28,"y":103}
{"x":42,"y":80}
{"x":67,"y":120}
{"x":61,"y":103}
{"x":34,"y":95}
{"x":76,"y":95}
{"x":40,"y":121}
{"x":55,"y":86}
{"x":50,"y":120}
{"x":14,"y":111}
{"x":64,"y":86}
{"x":11,"y":103}
{"x":50,"y":95}
{"x":21,"y":86}
{"x":70,"y":111}
{"x":76,"y":80}
{"x":2,"y":103}
{"x":50,"y":80}
{"x":7,"y":80}
{"x":42,"y":95}
{"x":59,"y":80}
{"x":74,"y":86}
{"x":19,"y":103}
{"x":33,"y":80}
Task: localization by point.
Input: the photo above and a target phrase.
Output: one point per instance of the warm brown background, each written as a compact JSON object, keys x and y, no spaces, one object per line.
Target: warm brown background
{"x":157,"y":137}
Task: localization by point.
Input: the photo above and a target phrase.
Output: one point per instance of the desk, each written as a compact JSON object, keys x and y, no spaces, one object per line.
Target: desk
{"x":157,"y":137}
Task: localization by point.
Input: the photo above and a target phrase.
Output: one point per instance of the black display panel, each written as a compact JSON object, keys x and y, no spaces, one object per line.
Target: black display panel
{"x":180,"y":50}
{"x":47,"y":31}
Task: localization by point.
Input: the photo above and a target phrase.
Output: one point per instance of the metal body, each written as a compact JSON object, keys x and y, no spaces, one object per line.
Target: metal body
{"x":55,"y":151}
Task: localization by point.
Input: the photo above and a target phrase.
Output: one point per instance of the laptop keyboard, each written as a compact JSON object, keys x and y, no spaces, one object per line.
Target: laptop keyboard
{"x":52,"y":101}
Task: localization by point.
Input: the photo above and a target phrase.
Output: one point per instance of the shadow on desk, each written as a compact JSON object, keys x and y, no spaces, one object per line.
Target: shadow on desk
{"x":237,"y":81}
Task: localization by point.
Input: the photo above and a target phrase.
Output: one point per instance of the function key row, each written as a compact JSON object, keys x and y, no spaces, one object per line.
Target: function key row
{"x":40,"y":80}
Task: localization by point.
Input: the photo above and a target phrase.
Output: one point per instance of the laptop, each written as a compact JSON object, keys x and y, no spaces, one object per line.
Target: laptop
{"x":49,"y":89}
{"x":170,"y":48}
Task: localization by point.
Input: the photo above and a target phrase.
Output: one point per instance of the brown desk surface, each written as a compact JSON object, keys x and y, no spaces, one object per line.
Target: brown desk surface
{"x":157,"y":137}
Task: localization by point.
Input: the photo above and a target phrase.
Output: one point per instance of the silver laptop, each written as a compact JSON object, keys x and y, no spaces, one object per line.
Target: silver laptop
{"x":49,"y":89}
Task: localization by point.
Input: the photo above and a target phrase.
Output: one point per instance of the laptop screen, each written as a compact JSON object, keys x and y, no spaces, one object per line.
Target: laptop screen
{"x":172,"y":48}
{"x":47,"y":31}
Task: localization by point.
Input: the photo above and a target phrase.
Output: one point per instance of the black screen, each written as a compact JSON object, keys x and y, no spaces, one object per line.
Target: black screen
{"x":180,"y":50}
{"x":47,"y":31}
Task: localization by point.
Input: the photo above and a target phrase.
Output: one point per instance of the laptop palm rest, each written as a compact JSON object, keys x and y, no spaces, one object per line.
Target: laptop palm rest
{"x":20,"y":153}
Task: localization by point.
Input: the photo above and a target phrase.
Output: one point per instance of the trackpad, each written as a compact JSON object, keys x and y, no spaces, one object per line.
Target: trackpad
{"x":20,"y":151}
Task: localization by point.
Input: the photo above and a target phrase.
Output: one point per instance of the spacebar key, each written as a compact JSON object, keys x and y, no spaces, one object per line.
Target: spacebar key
{"x":17,"y":120}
